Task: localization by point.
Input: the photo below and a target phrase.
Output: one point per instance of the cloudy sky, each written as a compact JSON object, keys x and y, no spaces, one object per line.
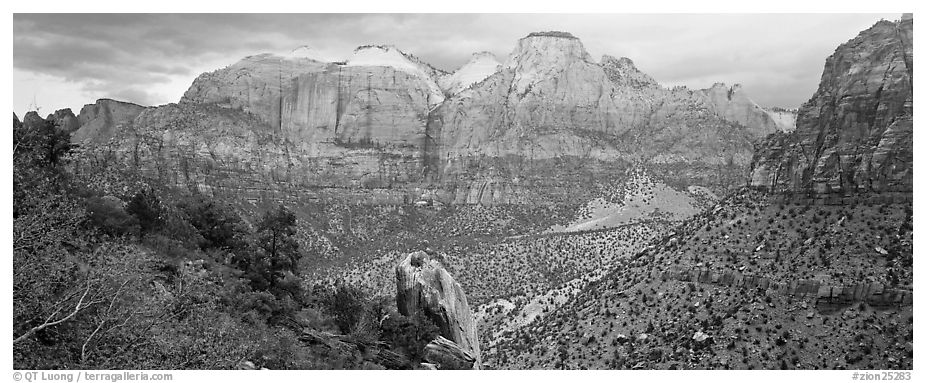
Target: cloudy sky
{"x":68,"y":60}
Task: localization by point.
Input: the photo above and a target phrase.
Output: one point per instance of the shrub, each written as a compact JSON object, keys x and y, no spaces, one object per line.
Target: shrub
{"x":107,"y":214}
{"x":147,"y":209}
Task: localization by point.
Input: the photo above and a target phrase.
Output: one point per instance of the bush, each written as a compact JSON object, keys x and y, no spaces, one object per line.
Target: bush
{"x":147,"y":208}
{"x":107,"y":214}
{"x":346,"y":305}
{"x":220,"y":226}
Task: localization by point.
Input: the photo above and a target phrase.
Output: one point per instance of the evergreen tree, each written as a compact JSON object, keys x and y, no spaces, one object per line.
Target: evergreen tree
{"x":273,"y":266}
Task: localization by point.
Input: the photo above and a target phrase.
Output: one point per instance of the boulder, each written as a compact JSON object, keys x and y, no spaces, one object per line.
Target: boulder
{"x":700,"y":337}
{"x":444,"y":354}
{"x":423,"y":286}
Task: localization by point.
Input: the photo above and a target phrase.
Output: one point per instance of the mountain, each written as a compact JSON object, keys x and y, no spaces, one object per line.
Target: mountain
{"x":766,"y":278}
{"x":480,"y":66}
{"x":734,"y":105}
{"x":101,"y":122}
{"x":575,"y":202}
{"x":855,"y":134}
{"x":384,"y":125}
{"x":784,"y":118}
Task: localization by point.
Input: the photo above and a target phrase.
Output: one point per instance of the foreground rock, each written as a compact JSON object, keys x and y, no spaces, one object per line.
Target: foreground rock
{"x":447,"y":355}
{"x":424,"y":287}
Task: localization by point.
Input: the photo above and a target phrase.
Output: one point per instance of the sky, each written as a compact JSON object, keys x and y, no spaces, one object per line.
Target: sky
{"x":68,"y":60}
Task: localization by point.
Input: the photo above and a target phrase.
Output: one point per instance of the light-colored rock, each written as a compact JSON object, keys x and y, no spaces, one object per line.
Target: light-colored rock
{"x":480,"y":66}
{"x":423,"y":286}
{"x":786,"y":119}
{"x":700,"y":337}
{"x":444,"y":354}
{"x":388,"y":56}
{"x":733,"y":104}
{"x":378,"y":127}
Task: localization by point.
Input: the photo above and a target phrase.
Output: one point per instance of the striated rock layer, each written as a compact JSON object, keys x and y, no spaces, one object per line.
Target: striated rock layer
{"x":855,"y":134}
{"x":101,"y":121}
{"x":423,"y":286}
{"x":545,"y":126}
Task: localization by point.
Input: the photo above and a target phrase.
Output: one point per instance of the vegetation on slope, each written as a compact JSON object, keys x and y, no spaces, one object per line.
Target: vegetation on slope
{"x":638,"y":317}
{"x":153,"y":278}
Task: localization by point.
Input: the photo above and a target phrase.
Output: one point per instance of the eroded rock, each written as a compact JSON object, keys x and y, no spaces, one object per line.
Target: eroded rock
{"x":423,"y":286}
{"x":447,"y":355}
{"x":855,"y":134}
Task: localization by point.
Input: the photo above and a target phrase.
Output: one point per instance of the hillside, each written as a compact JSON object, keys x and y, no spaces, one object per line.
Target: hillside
{"x":808,"y":272}
{"x":542,"y":210}
{"x":652,"y":311}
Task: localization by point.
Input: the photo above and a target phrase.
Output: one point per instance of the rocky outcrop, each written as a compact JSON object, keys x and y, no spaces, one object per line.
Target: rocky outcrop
{"x":784,"y":118}
{"x":855,"y":135}
{"x":447,"y":355}
{"x":423,"y":286}
{"x":65,"y":120}
{"x":101,"y":121}
{"x":319,"y":106}
{"x":32,"y":120}
{"x":551,"y":102}
{"x":480,"y":66}
{"x":625,"y":74}
{"x":733,"y":104}
{"x":874,"y":293}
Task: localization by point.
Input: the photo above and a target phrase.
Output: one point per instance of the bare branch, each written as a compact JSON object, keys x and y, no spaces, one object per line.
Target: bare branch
{"x":77,"y":308}
{"x":104,"y":318}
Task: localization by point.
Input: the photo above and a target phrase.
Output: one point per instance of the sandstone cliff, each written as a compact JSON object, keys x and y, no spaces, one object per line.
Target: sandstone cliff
{"x":542,"y":127}
{"x":733,"y":104}
{"x":500,"y":139}
{"x":480,"y":66}
{"x":101,"y":121}
{"x":855,"y":134}
{"x":423,"y":286}
{"x":65,"y":120}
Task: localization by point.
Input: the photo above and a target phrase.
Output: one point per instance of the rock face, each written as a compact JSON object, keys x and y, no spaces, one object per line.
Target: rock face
{"x":382,"y":126}
{"x":500,"y":139}
{"x":32,"y":120}
{"x":480,"y":66}
{"x":444,"y":354}
{"x":101,"y":121}
{"x":733,"y":105}
{"x":423,"y":286}
{"x":784,"y":118}
{"x":855,"y":134}
{"x":65,"y":120}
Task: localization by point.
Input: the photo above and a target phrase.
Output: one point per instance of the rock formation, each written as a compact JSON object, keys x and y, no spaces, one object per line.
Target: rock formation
{"x":733,"y":104}
{"x":423,"y":286}
{"x":32,"y":120}
{"x":784,"y":118}
{"x":447,"y":355}
{"x":101,"y":121}
{"x":65,"y":120}
{"x":383,"y":125}
{"x":480,"y":66}
{"x":855,"y":134}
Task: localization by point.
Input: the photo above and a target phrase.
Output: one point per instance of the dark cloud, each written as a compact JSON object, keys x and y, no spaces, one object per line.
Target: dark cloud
{"x":152,"y":58}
